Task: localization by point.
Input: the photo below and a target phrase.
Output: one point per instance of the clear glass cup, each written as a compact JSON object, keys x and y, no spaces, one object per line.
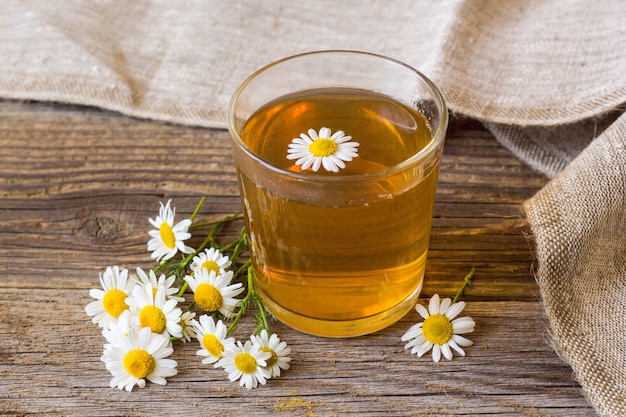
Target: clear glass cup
{"x":338,"y":232}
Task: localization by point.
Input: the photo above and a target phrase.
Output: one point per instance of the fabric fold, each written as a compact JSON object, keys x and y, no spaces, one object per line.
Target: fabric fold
{"x":550,"y":149}
{"x":578,"y":223}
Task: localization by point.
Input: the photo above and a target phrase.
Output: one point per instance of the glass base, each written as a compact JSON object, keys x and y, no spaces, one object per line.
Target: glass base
{"x":341,"y":328}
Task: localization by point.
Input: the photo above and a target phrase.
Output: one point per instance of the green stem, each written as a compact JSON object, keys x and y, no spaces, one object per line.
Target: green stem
{"x":261,"y":316}
{"x":242,"y":244}
{"x":209,"y":240}
{"x":227,"y":219}
{"x":238,"y":245}
{"x":466,"y":282}
{"x":182,"y":289}
{"x":197,"y":209}
{"x":243,"y":304}
{"x":242,"y":268}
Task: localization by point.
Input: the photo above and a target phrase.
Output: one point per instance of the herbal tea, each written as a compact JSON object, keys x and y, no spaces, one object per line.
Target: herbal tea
{"x":347,"y":256}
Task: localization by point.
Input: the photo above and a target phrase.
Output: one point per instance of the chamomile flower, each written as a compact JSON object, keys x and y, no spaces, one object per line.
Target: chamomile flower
{"x":212,"y":338}
{"x":325,"y":148}
{"x":111,"y":299}
{"x":213,"y":293}
{"x":167,"y":283}
{"x":212,"y":260}
{"x":277,"y":349}
{"x":168,"y":239}
{"x":136,"y":356}
{"x":439,"y":331}
{"x":121,"y":326}
{"x":152,"y":310}
{"x":246,"y":363}
{"x":186,"y":323}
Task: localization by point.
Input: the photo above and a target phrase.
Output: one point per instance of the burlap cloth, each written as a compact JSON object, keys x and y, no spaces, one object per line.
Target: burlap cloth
{"x":540,"y":74}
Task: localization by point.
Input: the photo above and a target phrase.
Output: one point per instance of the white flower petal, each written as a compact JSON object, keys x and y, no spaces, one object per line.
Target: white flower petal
{"x":445,"y":304}
{"x":455,"y":309}
{"x":306,"y":162}
{"x":422,"y":311}
{"x":445,"y":350}
{"x":461,"y":341}
{"x":463,"y":325}
{"x":325,"y":133}
{"x":337,"y":161}
{"x":456,"y":347}
{"x":424,"y":349}
{"x":328,"y":165}
{"x":413,"y":332}
{"x":436,"y":353}
{"x":316,"y":164}
{"x":339,"y":136}
{"x":433,"y":304}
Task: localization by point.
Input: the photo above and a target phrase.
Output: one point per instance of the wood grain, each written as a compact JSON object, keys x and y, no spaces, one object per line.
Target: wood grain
{"x":77,"y":186}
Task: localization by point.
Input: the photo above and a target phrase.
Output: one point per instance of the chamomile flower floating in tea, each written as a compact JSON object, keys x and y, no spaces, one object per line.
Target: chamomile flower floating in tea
{"x":440,"y":330}
{"x":111,"y":299}
{"x":168,"y":239}
{"x":212,"y":260}
{"x":246,"y":363}
{"x":212,"y":338}
{"x":213,"y":292}
{"x":133,"y":355}
{"x":167,"y":283}
{"x":325,"y":148}
{"x":151,"y":310}
{"x":278,"y":350}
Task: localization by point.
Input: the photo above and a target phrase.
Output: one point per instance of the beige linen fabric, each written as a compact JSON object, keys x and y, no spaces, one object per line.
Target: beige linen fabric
{"x":579,"y":223}
{"x":549,"y":149}
{"x":539,"y":73}
{"x":515,"y":62}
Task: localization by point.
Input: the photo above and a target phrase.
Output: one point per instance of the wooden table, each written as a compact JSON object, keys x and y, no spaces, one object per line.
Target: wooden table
{"x":77,"y":186}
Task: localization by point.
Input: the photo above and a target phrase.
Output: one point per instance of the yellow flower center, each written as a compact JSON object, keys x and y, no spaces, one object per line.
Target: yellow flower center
{"x":114,"y":302}
{"x":213,"y":345}
{"x":167,"y":235}
{"x":323,"y":147}
{"x":273,"y":359}
{"x":152,"y":317}
{"x":139,"y":363}
{"x":210,"y":265}
{"x":246,"y":363}
{"x":208,"y":297}
{"x":437,"y":329}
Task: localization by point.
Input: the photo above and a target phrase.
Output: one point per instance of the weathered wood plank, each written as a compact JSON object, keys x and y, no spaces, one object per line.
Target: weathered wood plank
{"x":77,"y":186}
{"x":49,"y":364}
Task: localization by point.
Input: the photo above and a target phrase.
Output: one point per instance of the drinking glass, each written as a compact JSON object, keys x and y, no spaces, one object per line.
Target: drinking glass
{"x":337,"y":155}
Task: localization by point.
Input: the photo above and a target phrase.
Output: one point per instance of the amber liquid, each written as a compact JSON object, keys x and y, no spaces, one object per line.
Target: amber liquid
{"x":349,"y":264}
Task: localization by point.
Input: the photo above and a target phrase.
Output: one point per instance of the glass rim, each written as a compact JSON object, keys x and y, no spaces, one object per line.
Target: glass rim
{"x":437,"y":137}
